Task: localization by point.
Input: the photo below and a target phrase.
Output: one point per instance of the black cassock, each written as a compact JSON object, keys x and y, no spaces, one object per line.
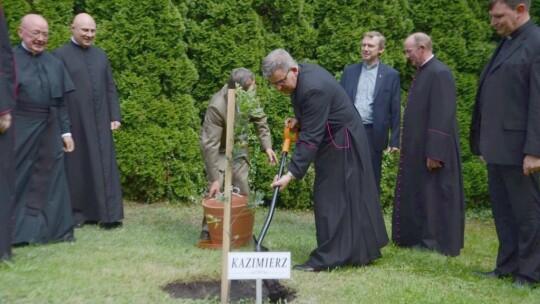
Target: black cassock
{"x":92,"y":170}
{"x":7,"y":157}
{"x":429,"y":206}
{"x":42,"y":208}
{"x":348,"y":218}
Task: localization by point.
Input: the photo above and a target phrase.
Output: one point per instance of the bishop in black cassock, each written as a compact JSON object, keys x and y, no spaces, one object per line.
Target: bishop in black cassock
{"x":92,"y":170}
{"x":429,"y":204}
{"x":7,"y":157}
{"x":348,"y":218}
{"x":43,"y":208}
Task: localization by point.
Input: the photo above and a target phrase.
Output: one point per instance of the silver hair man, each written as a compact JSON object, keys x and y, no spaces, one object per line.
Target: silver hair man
{"x":242,"y":76}
{"x":278,"y":59}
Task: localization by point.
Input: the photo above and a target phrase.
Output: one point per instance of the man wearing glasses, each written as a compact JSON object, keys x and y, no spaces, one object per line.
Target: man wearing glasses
{"x":429,"y":204}
{"x":42,"y":209}
{"x":348,"y":218}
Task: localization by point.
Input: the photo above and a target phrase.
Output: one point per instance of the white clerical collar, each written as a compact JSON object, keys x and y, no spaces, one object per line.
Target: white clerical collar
{"x":24,"y":47}
{"x":430,"y":57}
{"x":74,"y":41}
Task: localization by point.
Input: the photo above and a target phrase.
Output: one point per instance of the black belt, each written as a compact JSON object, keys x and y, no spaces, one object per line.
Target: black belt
{"x":368,"y":126}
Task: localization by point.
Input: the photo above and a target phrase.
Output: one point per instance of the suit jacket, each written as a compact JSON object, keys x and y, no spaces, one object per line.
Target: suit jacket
{"x":386,"y":102}
{"x":213,"y":136}
{"x":506,"y":117}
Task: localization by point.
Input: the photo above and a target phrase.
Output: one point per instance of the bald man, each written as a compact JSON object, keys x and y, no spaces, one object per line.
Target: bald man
{"x":429,"y":204}
{"x":42,"y":209}
{"x":92,"y":170}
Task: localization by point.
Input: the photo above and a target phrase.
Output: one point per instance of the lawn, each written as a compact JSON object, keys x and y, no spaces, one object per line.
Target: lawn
{"x":157,"y":245}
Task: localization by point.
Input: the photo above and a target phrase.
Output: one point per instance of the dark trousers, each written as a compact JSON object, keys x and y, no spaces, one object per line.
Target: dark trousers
{"x":376,"y":156}
{"x":515,"y":201}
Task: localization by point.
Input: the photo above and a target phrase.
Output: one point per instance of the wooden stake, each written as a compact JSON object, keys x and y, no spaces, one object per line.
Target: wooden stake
{"x":231,"y":111}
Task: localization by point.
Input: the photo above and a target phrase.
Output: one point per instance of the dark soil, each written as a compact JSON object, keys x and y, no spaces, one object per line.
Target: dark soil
{"x":241,"y":290}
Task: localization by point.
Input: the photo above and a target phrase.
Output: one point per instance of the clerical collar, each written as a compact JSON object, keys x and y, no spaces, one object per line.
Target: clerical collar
{"x":24,"y":46}
{"x":26,"y":49}
{"x":74,"y":41}
{"x":520,"y":30}
{"x":430,"y":57}
{"x":369,"y":67}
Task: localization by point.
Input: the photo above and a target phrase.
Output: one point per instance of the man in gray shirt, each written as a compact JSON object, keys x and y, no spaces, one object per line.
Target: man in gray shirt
{"x":374,"y":88}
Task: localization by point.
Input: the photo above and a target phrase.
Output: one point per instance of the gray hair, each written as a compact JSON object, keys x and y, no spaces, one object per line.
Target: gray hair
{"x":242,"y":76}
{"x":422,"y":38}
{"x":511,"y":3}
{"x":278,"y":59}
{"x":371,"y":34}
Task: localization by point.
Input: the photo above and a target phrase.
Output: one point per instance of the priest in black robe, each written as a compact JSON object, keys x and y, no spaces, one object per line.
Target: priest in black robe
{"x":7,"y":143}
{"x":429,"y":204}
{"x":92,"y":170}
{"x":42,"y":209}
{"x":348,"y":218}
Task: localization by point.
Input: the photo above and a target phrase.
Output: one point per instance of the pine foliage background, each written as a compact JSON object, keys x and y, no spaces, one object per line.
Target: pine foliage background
{"x":170,"y":56}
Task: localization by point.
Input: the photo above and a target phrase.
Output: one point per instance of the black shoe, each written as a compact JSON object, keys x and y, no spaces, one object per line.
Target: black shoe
{"x":109,"y":226}
{"x":523,"y":284}
{"x":494,"y":274}
{"x":82,"y":224}
{"x":307,"y":267}
{"x":204,"y":236}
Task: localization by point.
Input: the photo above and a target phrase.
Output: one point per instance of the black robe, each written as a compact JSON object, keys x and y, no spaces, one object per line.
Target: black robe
{"x":42,"y":208}
{"x":348,"y":218}
{"x":92,"y":170}
{"x":7,"y":157}
{"x":429,"y":206}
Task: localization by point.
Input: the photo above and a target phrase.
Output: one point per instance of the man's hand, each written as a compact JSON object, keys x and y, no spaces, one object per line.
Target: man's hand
{"x":5,"y":122}
{"x":294,"y":123}
{"x":531,"y":164}
{"x":214,"y":189}
{"x":69,"y":145}
{"x":433,"y":164}
{"x":272,"y":159}
{"x":482,"y":160}
{"x":115,"y":125}
{"x":392,"y":150}
{"x":282,"y":182}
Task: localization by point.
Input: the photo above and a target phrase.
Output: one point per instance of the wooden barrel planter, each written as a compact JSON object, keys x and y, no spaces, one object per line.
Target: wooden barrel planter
{"x":242,"y":219}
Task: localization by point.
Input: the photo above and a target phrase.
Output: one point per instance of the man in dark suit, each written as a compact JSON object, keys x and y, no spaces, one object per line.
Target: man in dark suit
{"x":505,"y":132}
{"x":374,"y":89}
{"x":348,"y":218}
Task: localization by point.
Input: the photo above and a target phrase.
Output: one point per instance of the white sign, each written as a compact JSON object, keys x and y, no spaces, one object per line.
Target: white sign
{"x":259,"y":265}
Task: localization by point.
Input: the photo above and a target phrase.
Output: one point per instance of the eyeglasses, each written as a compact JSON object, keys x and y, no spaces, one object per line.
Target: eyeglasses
{"x":281,"y":81}
{"x":37,"y":33}
{"x":408,"y":52}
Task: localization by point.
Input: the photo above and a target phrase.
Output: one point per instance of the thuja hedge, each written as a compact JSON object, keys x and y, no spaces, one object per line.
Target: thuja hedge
{"x":170,"y":56}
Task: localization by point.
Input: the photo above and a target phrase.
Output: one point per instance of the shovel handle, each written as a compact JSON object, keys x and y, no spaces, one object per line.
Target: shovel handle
{"x":289,"y":135}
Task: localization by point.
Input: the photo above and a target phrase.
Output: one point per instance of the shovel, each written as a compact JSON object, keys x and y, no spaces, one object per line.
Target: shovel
{"x":276,"y":291}
{"x":289,"y":136}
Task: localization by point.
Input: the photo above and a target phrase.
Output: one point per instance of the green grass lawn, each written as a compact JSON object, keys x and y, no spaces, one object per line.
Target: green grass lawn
{"x":157,"y":245}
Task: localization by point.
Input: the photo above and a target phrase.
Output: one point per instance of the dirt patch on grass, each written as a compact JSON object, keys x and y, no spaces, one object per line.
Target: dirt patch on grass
{"x":241,"y":290}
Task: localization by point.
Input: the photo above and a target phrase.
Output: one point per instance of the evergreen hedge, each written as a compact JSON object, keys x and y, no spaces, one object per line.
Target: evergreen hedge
{"x":169,"y":57}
